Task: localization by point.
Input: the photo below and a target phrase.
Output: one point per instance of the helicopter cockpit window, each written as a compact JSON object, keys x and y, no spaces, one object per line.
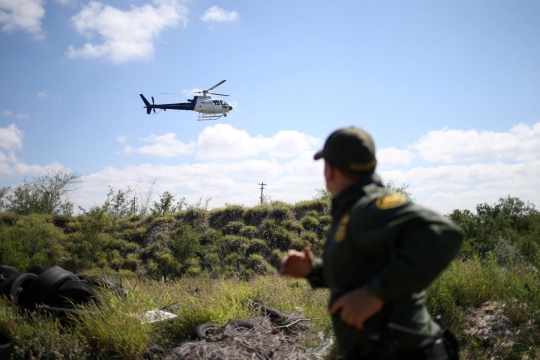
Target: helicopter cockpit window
{"x":216,"y":102}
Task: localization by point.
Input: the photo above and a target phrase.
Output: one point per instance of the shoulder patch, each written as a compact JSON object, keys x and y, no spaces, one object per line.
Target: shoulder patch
{"x":341,"y":231}
{"x":390,"y":201}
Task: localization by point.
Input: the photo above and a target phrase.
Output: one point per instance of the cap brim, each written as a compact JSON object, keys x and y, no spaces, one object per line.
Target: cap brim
{"x":318,"y":155}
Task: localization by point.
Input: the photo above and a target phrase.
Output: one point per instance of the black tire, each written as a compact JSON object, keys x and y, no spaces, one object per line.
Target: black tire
{"x":8,"y":271}
{"x":14,"y":285}
{"x":48,"y":282}
{"x":104,"y":282}
{"x":36,"y":269}
{"x":270,"y":312}
{"x":6,"y":346}
{"x":239,"y":324}
{"x":72,"y":292}
{"x":203,"y":330}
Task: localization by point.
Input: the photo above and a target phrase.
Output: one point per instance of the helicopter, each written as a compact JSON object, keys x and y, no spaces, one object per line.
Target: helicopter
{"x":208,"y":108}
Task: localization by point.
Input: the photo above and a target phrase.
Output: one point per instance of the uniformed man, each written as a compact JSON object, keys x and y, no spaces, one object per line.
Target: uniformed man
{"x":381,"y":252}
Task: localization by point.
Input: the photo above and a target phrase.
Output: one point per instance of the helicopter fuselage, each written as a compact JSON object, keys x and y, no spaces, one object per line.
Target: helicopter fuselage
{"x":201,"y":104}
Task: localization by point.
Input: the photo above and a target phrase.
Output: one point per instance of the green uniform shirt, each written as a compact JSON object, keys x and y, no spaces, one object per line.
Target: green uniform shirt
{"x":380,"y":239}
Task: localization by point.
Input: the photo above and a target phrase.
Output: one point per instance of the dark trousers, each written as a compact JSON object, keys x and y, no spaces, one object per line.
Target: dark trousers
{"x":434,"y":351}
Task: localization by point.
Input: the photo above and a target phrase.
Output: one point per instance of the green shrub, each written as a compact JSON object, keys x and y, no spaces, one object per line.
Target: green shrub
{"x":256,"y":214}
{"x":8,"y":218}
{"x":258,"y":246}
{"x":310,"y":222}
{"x":185,"y":242}
{"x":31,"y":241}
{"x":249,"y":231}
{"x":234,"y":212}
{"x":325,"y":220}
{"x":210,"y":236}
{"x":233,"y":227}
{"x":320,"y":206}
{"x":292,"y":225}
{"x":237,"y":244}
{"x":280,"y":211}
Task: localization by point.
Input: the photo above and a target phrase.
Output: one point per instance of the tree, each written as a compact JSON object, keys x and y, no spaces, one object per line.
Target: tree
{"x":45,"y":194}
{"x":54,"y":187}
{"x":324,"y":194}
{"x":165,"y":205}
{"x":403,"y":189}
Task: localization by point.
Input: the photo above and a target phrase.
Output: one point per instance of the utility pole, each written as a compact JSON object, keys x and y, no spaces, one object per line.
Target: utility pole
{"x":262,"y":188}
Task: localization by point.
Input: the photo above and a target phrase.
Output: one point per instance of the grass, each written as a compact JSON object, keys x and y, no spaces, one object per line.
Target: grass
{"x":213,"y":263}
{"x":114,"y":329}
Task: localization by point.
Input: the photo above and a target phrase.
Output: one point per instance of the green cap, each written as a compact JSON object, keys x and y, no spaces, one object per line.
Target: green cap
{"x":349,"y":148}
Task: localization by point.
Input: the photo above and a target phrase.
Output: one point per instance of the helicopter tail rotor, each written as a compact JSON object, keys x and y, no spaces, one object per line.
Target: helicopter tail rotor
{"x":148,"y":106}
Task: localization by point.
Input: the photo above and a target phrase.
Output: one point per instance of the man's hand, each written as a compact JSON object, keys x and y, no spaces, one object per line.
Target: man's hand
{"x":357,"y":306}
{"x":297,"y":264}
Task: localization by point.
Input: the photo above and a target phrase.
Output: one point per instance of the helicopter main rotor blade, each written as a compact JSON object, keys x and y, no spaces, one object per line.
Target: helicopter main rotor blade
{"x":218,"y":94}
{"x":215,"y":86}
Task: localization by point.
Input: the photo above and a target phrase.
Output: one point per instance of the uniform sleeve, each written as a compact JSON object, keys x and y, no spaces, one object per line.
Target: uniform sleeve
{"x":425,"y":246}
{"x":316,"y":278}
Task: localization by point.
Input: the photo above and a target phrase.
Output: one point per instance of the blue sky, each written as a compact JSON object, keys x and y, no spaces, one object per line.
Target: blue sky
{"x":449,"y":90}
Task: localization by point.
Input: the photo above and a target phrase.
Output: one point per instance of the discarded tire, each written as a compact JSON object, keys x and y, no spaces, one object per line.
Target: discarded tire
{"x":203,"y":330}
{"x":72,"y":292}
{"x":14,"y":285}
{"x":104,"y":282}
{"x":8,"y":271}
{"x":239,"y":324}
{"x":36,"y":269}
{"x":48,"y":282}
{"x":270,"y":312}
{"x":6,"y":346}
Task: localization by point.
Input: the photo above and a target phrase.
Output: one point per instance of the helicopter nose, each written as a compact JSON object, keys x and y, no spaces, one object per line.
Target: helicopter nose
{"x":230,"y":107}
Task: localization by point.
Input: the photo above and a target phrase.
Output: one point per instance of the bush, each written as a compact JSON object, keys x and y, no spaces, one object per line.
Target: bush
{"x":233,"y":227}
{"x":258,"y":246}
{"x":280,"y":211}
{"x":310,"y":222}
{"x":249,"y":231}
{"x":322,"y":207}
{"x":292,"y":225}
{"x":234,"y":212}
{"x":257,"y":214}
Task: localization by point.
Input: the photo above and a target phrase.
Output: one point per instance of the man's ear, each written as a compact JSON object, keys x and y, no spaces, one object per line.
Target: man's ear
{"x":330,"y":171}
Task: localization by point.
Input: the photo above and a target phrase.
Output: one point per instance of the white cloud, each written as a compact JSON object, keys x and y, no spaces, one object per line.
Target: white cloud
{"x":216,"y":13}
{"x":126,"y":35}
{"x":45,"y":94}
{"x":161,"y":145}
{"x":224,"y":182}
{"x":23,"y":15}
{"x":392,"y":156}
{"x":223,"y":141}
{"x":11,"y":137}
{"x":251,"y":159}
{"x":65,"y":2}
{"x":454,"y":146}
{"x":8,"y":113}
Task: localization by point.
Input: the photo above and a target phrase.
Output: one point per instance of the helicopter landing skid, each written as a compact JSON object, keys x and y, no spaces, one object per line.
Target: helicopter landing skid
{"x":206,"y":117}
